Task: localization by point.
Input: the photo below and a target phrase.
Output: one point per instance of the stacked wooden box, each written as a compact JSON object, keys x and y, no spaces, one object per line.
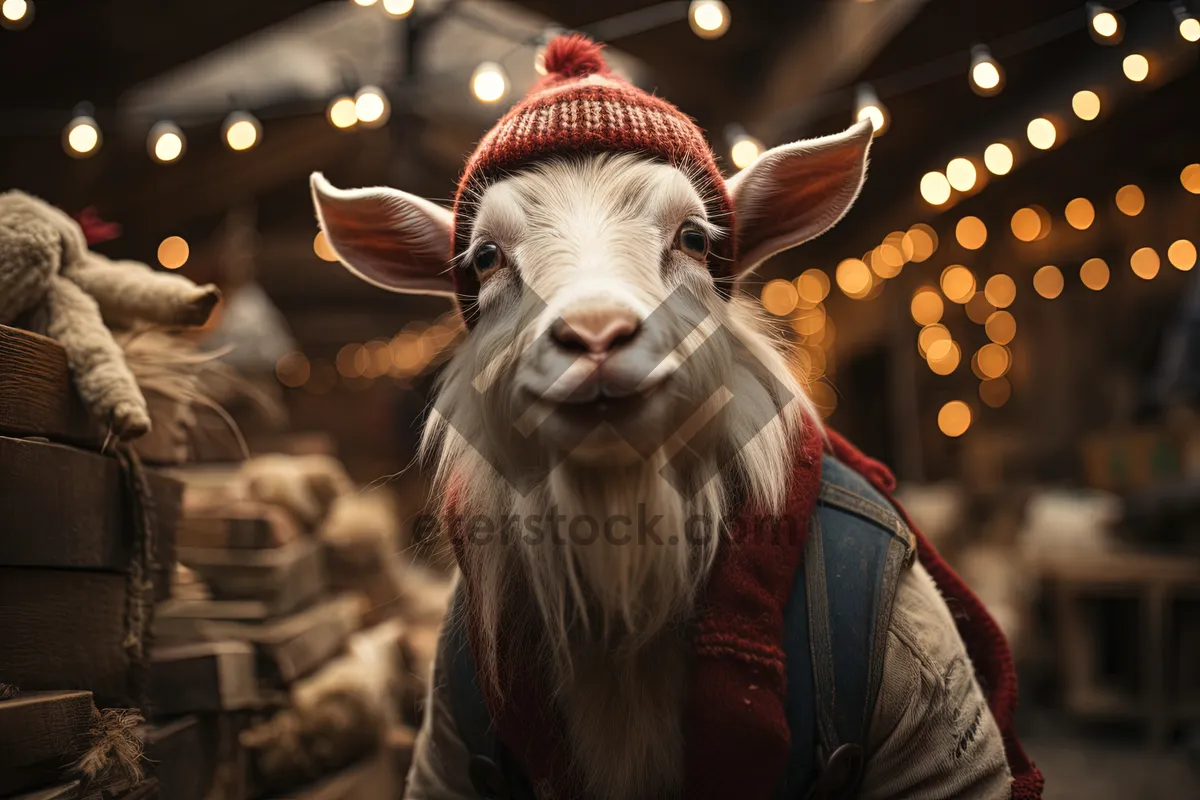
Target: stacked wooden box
{"x":70,"y":592}
{"x":257,"y":633}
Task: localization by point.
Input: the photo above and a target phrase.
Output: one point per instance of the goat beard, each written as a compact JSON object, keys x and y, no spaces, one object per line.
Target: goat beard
{"x":596,"y":589}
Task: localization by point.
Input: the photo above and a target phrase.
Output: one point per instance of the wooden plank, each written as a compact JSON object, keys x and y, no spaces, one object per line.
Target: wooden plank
{"x":285,"y":578}
{"x":205,"y":677}
{"x":41,"y":734}
{"x":287,"y":648}
{"x":37,"y":397}
{"x":240,"y":610}
{"x":65,"y":629}
{"x":179,"y":755}
{"x":65,"y":508}
{"x":244,"y":525}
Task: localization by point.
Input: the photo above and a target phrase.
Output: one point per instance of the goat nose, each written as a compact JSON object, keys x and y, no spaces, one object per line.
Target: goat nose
{"x":595,"y":331}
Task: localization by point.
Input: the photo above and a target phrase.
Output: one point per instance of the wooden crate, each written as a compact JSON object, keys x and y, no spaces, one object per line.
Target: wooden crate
{"x":287,"y":648}
{"x":66,"y":508}
{"x":41,"y":733}
{"x":37,"y":396}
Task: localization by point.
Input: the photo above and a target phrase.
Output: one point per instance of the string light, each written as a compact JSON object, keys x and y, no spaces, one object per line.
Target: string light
{"x":365,"y":3}
{"x":993,"y":360}
{"x":1000,"y":327}
{"x":322,"y":248}
{"x":958,"y":283}
{"x":1041,"y":133}
{"x":868,"y":106}
{"x":926,"y":306}
{"x":971,"y":232}
{"x":1104,"y":23}
{"x":745,"y":150}
{"x":342,"y":112}
{"x":16,"y":14}
{"x":1190,"y":178}
{"x":954,"y":418}
{"x":1080,"y":214}
{"x":935,"y":188}
{"x":1136,"y":67}
{"x":709,"y":19}
{"x":1086,"y":105}
{"x":398,"y":8}
{"x":987,"y":78}
{"x":945,"y":364}
{"x":919,"y":242}
{"x":1048,"y":282}
{"x":853,"y":277}
{"x":998,"y":158}
{"x":1130,"y":200}
{"x":173,"y":252}
{"x":812,"y":286}
{"x":1189,"y":27}
{"x":166,"y":142}
{"x":241,"y":131}
{"x":1000,"y":290}
{"x":488,"y":82}
{"x":1027,"y":224}
{"x":371,"y":106}
{"x":930,"y":336}
{"x":779,"y":297}
{"x":1182,"y":254}
{"x":81,"y":137}
{"x":1145,"y":263}
{"x":961,"y":174}
{"x":1094,"y":274}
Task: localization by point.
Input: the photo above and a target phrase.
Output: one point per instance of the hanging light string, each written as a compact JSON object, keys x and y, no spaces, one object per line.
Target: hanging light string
{"x":708,"y":18}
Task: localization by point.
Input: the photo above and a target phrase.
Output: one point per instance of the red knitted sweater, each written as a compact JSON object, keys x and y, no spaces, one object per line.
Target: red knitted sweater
{"x":735,"y":729}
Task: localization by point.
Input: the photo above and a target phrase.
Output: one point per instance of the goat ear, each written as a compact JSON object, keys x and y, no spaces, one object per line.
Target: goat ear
{"x":390,"y":238}
{"x":795,"y":192}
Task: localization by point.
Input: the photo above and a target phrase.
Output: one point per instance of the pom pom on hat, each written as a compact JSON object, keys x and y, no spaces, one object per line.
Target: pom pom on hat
{"x":574,"y":56}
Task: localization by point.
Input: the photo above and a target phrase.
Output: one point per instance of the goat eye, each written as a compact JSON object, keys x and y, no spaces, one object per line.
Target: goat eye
{"x":487,"y":259}
{"x":693,"y":240}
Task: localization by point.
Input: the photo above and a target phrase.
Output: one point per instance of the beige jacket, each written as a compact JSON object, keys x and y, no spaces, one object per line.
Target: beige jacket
{"x":932,"y":736}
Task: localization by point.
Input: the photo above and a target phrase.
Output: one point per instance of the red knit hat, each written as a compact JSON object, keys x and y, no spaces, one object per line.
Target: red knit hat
{"x":582,"y":107}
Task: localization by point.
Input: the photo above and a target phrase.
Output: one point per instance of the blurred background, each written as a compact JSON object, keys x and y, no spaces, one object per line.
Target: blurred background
{"x":1009,"y":317}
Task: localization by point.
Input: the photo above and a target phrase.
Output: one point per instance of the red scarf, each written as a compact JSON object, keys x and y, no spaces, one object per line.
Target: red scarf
{"x":735,"y":729}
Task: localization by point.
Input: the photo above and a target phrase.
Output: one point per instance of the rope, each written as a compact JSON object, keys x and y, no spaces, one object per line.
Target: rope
{"x":139,"y":594}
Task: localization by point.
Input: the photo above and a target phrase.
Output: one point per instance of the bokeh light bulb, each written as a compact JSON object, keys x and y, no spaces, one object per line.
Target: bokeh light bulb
{"x":82,"y":136}
{"x":998,"y":158}
{"x":1086,"y":105}
{"x":1042,"y":133}
{"x":398,"y":8}
{"x":709,"y":19}
{"x":16,"y":14}
{"x":868,"y":106}
{"x":371,"y":106}
{"x":342,"y":112}
{"x":987,"y":78}
{"x":242,"y":131}
{"x":1136,"y":67}
{"x":745,"y":150}
{"x":488,"y":82}
{"x":1103,"y":22}
{"x":166,"y":142}
{"x":935,"y":189}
